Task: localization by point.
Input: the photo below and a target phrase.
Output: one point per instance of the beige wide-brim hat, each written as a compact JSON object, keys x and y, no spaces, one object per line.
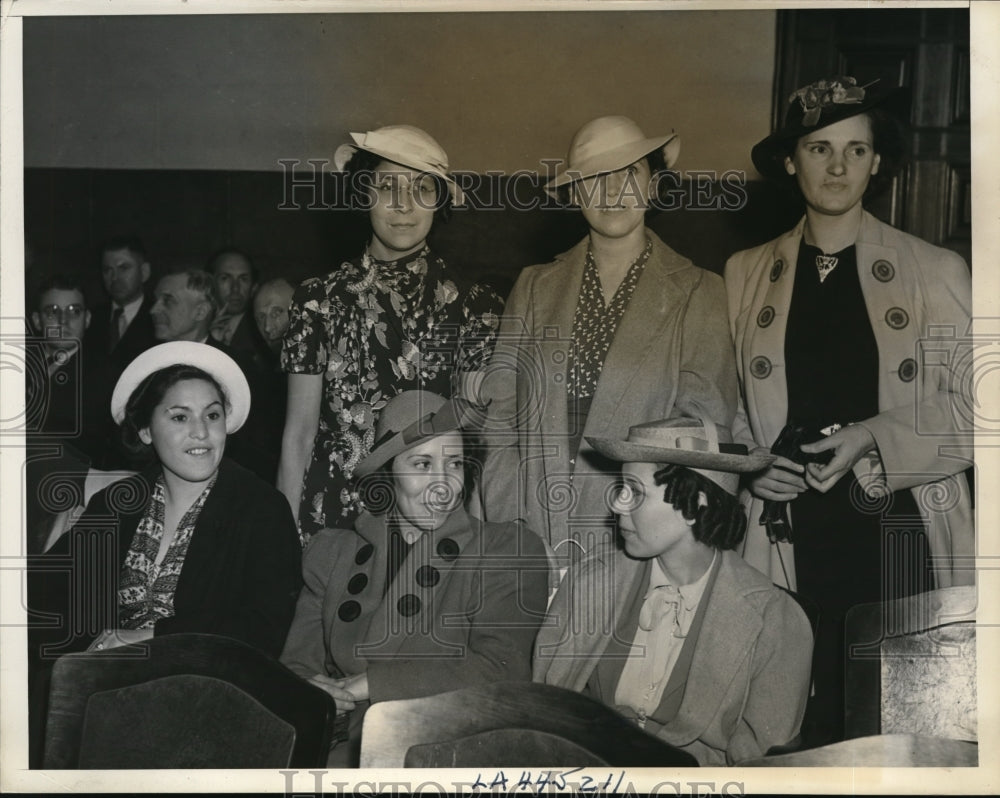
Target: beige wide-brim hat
{"x":409,"y":419}
{"x":406,"y":145}
{"x":610,"y":143}
{"x":700,"y":445}
{"x":213,"y":361}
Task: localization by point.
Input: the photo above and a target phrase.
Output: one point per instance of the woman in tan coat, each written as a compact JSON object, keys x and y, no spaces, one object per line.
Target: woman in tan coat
{"x":849,"y":330}
{"x":617,"y":330}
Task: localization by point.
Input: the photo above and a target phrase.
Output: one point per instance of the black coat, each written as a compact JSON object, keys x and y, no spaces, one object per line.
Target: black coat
{"x":241,"y":576}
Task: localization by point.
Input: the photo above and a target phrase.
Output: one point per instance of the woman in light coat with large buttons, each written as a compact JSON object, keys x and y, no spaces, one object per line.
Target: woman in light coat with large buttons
{"x":849,"y":330}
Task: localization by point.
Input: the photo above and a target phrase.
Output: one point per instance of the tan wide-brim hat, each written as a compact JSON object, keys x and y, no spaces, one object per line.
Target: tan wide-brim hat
{"x":817,"y":106}
{"x":700,"y":445}
{"x":409,"y":419}
{"x":406,"y":145}
{"x":610,"y":143}
{"x":213,"y":361}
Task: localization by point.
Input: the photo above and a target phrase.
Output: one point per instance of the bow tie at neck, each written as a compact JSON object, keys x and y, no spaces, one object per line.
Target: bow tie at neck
{"x":665,"y":602}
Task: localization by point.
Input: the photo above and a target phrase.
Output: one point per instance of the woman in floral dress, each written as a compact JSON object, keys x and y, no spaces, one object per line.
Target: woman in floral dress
{"x":397,"y":318}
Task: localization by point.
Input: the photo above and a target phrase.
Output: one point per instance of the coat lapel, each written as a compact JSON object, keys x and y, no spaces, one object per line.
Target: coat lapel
{"x":733,"y":628}
{"x":765,"y":380}
{"x":655,"y":300}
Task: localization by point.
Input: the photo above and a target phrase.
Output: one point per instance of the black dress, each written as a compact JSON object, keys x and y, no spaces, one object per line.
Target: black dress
{"x":849,"y":549}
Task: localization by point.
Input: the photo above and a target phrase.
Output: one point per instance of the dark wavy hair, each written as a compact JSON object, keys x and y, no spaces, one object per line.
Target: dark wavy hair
{"x":149,"y":393}
{"x":888,"y":142}
{"x":377,"y":491}
{"x":721,"y":523}
{"x":359,"y":177}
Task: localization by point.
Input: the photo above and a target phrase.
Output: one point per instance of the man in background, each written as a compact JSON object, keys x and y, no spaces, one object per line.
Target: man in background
{"x":184,"y":308}
{"x":235,"y":278}
{"x":121,"y":328}
{"x":270,"y":309}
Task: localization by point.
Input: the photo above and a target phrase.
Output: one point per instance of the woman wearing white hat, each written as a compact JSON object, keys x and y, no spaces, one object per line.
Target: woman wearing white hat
{"x":617,"y":330}
{"x":199,"y":543}
{"x":706,"y":653}
{"x":420,"y":597}
{"x":394,"y":319}
{"x":849,"y":331}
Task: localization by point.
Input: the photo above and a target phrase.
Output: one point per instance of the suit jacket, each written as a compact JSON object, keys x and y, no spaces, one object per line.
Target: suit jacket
{"x":671,"y":355}
{"x":137,"y":338}
{"x":919,"y":303}
{"x":248,"y":341}
{"x":240,"y":578}
{"x":476,"y":593}
{"x":257,"y":444}
{"x":748,"y":678}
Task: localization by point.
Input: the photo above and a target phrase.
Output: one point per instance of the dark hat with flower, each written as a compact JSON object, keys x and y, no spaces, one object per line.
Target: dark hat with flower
{"x":821,"y":104}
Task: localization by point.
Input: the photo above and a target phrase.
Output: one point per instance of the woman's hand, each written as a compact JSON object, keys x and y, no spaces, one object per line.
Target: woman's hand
{"x":782,"y":481}
{"x":849,"y":445}
{"x":112,"y":638}
{"x":345,"y":692}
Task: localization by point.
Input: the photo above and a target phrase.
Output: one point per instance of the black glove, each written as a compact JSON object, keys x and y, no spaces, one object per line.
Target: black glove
{"x":792,"y":436}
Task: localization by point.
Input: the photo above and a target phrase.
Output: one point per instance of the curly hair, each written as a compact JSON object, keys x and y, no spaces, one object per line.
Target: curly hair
{"x":359,"y":173}
{"x":721,"y":523}
{"x":149,"y":393}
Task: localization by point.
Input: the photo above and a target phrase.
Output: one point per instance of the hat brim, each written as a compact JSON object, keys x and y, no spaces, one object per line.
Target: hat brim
{"x":450,"y":417}
{"x":344,"y":152}
{"x":618,"y":158}
{"x":768,"y":155}
{"x":626,"y":452}
{"x":213,"y":361}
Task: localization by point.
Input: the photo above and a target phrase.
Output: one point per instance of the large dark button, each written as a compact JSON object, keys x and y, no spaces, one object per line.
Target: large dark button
{"x":766,"y":316}
{"x":908,"y":369}
{"x":364,"y":554}
{"x":760,"y":367}
{"x":897,"y":318}
{"x":447,"y":549}
{"x":358,"y":583}
{"x":428,"y":576}
{"x":349,"y":611}
{"x":883,"y":271}
{"x":776,"y":270}
{"x":408,"y":605}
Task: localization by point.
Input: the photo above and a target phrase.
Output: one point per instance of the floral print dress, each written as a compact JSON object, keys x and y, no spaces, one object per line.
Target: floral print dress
{"x":374,"y":329}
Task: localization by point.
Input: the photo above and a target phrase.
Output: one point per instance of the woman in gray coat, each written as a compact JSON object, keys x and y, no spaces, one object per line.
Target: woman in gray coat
{"x":617,"y":330}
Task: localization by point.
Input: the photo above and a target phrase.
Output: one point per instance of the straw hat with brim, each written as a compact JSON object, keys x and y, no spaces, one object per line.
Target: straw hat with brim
{"x":411,"y":418}
{"x":406,"y":145}
{"x":214,"y":362}
{"x":818,"y":105}
{"x":607,"y":144}
{"x":702,"y":446}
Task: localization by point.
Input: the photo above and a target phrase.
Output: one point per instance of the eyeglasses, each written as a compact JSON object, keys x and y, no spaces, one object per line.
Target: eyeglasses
{"x":57,"y":313}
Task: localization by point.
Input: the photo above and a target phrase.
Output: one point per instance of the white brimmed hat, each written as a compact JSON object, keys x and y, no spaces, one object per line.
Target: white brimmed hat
{"x":610,"y":143}
{"x":406,"y":145}
{"x":210,"y":359}
{"x":700,"y":445}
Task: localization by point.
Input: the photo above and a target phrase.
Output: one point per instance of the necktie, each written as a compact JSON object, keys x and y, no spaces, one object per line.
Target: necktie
{"x":116,"y":328}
